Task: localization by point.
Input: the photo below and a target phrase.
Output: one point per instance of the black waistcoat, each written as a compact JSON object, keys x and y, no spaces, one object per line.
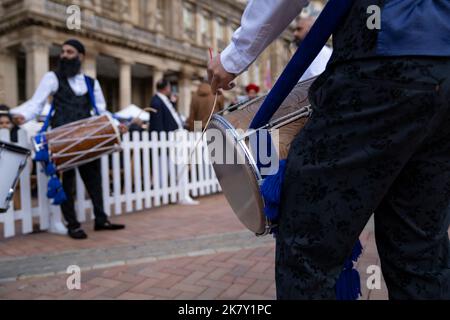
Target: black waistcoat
{"x":68,"y":106}
{"x":353,"y":39}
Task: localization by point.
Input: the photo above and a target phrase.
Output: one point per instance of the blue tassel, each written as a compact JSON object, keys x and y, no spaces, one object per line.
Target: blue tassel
{"x":271,"y":212}
{"x":42,"y":156}
{"x":50,"y":170}
{"x":56,"y":191}
{"x":271,"y":192}
{"x":357,"y":251}
{"x":348,"y":286}
{"x":60,"y":198}
{"x":53,"y":187}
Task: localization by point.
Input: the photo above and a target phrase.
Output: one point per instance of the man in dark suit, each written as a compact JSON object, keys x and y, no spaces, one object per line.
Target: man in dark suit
{"x":166,"y":118}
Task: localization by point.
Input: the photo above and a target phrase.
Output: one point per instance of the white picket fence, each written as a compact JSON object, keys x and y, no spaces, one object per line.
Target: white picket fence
{"x":140,"y":177}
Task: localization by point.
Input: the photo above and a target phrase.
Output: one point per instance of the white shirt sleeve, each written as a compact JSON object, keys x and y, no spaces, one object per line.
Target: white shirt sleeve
{"x":263,"y":21}
{"x":101,"y":102}
{"x":34,"y":107}
{"x":99,"y":98}
{"x":319,"y":64}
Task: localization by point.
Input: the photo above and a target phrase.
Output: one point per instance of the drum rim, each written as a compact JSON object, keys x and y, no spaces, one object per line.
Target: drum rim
{"x":14,"y":147}
{"x":116,"y":129}
{"x":227,"y":125}
{"x":241,"y":143}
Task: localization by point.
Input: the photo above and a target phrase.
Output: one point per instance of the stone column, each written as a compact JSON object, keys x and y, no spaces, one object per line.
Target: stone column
{"x":152,"y":14}
{"x":213,"y":27}
{"x":184,"y":103}
{"x":198,"y":31}
{"x":135,"y":9}
{"x":176,"y":13}
{"x":90,"y":63}
{"x":8,"y":78}
{"x":125,"y":83}
{"x":37,"y":57}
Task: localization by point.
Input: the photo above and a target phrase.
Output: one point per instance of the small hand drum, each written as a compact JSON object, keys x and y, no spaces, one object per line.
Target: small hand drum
{"x":241,"y":179}
{"x":13,"y":160}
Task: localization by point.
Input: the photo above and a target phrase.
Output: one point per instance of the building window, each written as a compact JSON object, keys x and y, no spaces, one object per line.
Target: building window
{"x":221,"y":34}
{"x":205,"y":29}
{"x":189,"y":21}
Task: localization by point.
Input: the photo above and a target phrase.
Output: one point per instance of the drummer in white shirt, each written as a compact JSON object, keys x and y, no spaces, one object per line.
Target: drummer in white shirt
{"x":69,"y":90}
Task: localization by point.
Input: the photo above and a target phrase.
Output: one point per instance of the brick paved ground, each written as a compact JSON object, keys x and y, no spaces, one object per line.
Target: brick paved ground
{"x":236,"y":265}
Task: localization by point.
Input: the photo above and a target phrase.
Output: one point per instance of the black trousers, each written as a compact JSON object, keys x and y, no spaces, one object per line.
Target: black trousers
{"x":378,"y":142}
{"x":92,"y":179}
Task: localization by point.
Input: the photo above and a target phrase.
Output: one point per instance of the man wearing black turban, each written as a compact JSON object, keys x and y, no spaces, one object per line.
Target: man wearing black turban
{"x":69,"y":89}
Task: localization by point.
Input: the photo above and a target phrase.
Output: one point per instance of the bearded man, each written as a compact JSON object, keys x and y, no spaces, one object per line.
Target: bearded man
{"x":68,"y":87}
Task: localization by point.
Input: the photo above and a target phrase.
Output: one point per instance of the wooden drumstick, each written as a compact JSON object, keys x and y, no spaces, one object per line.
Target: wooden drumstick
{"x":142,"y":111}
{"x":151,"y":110}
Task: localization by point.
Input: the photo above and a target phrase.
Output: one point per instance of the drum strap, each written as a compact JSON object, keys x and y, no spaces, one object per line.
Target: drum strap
{"x":329,"y":20}
{"x":91,"y":94}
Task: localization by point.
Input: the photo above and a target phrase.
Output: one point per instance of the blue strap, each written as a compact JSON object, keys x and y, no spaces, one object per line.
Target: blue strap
{"x":48,"y":119}
{"x":317,"y":38}
{"x":91,"y":94}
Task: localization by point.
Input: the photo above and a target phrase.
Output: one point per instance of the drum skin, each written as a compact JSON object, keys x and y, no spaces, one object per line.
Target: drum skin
{"x":242,"y":118}
{"x":240,"y":180}
{"x":78,"y":140}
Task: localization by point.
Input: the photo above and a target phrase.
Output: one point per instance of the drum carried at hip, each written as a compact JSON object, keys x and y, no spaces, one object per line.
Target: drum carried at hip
{"x":241,"y":179}
{"x":81,"y":142}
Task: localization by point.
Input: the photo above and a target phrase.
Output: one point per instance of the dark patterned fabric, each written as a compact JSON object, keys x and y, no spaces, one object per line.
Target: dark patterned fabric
{"x":91,"y":175}
{"x":353,"y":39}
{"x":68,"y":106}
{"x":408,"y":28}
{"x":378,"y":141}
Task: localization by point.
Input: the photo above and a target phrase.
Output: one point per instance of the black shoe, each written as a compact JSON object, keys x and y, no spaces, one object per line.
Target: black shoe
{"x":77,"y":234}
{"x":108,"y":226}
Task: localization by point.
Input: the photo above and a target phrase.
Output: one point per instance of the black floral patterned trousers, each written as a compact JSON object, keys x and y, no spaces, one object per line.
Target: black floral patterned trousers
{"x":378,"y":142}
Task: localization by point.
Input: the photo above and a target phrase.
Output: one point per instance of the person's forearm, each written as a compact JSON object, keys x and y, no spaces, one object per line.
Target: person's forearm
{"x":34,"y":107}
{"x":263,"y":21}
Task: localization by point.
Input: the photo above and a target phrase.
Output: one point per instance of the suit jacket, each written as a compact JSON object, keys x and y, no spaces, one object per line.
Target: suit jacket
{"x":162,"y":120}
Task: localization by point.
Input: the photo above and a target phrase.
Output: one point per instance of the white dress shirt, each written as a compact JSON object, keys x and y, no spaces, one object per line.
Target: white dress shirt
{"x":49,"y":86}
{"x":172,"y":110}
{"x":263,"y":21}
{"x":319,"y":64}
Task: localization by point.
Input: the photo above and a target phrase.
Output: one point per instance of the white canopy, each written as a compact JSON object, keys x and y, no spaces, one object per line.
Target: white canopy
{"x":133,"y":111}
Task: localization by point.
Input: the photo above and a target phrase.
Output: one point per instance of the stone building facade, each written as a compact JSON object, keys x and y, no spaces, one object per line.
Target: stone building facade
{"x":131,"y":44}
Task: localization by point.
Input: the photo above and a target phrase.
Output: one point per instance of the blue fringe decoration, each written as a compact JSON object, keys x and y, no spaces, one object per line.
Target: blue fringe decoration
{"x":41,"y":155}
{"x":348,"y":286}
{"x":50,"y":169}
{"x":56,"y":191}
{"x":60,"y":198}
{"x":55,"y":188}
{"x":271,"y":192}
